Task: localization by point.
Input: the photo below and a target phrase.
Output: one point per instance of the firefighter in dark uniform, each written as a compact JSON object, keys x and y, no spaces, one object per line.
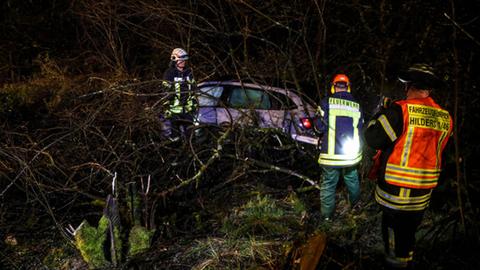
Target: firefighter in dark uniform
{"x":179,"y":81}
{"x":341,"y":149}
{"x":411,"y":135}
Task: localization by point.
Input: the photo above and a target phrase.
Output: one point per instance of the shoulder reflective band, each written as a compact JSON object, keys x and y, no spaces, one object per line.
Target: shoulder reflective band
{"x":387,"y":127}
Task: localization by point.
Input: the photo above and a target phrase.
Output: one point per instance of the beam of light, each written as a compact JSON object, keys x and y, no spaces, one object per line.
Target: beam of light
{"x":350,"y":146}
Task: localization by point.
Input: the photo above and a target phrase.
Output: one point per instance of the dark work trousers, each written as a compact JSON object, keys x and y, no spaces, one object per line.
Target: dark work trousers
{"x":181,"y":123}
{"x":398,"y":230}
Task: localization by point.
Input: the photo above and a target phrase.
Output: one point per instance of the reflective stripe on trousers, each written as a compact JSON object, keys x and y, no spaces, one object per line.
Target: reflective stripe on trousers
{"x":398,"y":231}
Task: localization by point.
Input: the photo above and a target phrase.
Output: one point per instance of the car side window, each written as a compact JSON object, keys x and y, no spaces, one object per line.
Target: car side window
{"x":281,"y":101}
{"x":209,"y":95}
{"x":245,"y":98}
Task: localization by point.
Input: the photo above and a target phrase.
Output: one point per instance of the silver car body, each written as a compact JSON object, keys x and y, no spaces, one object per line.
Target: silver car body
{"x":233,"y":102}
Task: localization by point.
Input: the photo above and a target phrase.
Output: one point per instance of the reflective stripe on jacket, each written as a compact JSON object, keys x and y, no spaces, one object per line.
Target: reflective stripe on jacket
{"x":415,"y":161}
{"x":182,"y":83}
{"x":341,"y":145}
{"x":405,"y":199}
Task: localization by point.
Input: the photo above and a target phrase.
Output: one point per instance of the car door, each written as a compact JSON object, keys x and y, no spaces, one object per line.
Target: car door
{"x":278,"y":113}
{"x":253,"y":106}
{"x":208,"y":104}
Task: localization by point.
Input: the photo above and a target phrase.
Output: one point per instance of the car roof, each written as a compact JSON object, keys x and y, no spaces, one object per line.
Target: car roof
{"x":261,"y":80}
{"x":243,"y":83}
{"x":249,"y":83}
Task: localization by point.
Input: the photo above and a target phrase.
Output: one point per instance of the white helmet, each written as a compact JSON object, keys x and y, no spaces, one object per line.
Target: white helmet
{"x":179,"y":54}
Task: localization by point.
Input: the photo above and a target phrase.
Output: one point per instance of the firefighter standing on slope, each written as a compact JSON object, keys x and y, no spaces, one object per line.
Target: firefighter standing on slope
{"x":411,"y":134}
{"x":341,"y":149}
{"x":179,"y":80}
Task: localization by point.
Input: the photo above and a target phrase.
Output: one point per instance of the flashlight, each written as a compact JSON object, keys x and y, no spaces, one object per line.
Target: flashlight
{"x":350,"y":146}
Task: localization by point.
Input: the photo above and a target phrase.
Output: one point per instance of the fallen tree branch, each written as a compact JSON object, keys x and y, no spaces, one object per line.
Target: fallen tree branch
{"x":276,"y":168}
{"x":202,"y":169}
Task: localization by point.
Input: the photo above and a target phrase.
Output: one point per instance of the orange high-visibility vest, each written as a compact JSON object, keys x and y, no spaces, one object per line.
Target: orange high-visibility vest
{"x":416,"y":158}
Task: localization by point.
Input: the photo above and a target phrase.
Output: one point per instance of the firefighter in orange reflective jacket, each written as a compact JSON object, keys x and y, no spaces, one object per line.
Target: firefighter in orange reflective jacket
{"x":412,"y":135}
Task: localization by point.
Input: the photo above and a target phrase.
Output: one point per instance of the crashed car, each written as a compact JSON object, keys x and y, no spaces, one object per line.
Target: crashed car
{"x":224,"y":103}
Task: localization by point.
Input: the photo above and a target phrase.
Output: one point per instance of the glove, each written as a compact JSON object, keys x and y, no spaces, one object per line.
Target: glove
{"x":386,"y":102}
{"x":374,"y":169}
{"x":166,"y":84}
{"x":382,"y":105}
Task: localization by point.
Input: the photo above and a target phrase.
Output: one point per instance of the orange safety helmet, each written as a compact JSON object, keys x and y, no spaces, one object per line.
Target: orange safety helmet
{"x":340,"y":79}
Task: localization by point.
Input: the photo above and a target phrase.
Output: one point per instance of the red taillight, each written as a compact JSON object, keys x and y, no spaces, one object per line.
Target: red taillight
{"x":306,"y":122}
